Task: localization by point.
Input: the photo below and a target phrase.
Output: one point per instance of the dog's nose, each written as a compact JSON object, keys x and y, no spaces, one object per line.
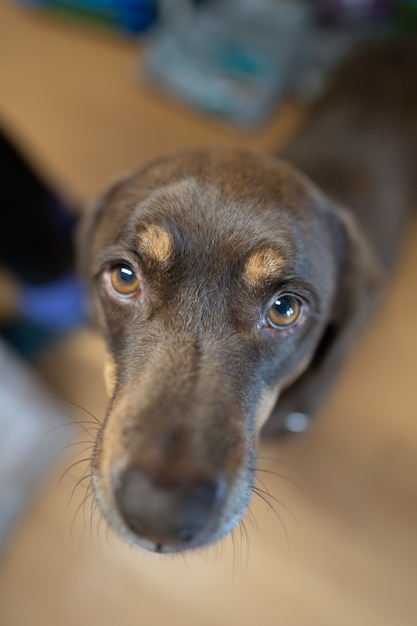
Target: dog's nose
{"x":173,"y":512}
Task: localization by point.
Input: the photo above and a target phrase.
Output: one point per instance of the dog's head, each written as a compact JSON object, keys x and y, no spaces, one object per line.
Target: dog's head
{"x":214,"y":277}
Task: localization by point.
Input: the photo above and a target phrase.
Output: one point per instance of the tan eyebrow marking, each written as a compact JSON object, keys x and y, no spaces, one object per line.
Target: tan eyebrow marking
{"x":262,"y":264}
{"x":156,"y":243}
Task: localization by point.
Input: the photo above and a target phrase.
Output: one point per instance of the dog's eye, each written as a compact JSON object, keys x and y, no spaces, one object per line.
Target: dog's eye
{"x":285,"y":311}
{"x":124,"y":280}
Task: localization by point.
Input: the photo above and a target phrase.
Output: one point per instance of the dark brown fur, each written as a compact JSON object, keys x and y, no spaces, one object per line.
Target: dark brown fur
{"x":194,"y":371}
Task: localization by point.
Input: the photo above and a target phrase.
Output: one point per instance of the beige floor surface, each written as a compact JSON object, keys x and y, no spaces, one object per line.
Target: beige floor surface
{"x":69,"y":96}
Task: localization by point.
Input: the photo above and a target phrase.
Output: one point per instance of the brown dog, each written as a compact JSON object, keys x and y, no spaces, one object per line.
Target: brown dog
{"x":228,"y":288}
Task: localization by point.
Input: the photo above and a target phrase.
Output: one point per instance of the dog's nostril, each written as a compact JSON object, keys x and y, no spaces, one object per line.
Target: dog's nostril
{"x":166,"y":513}
{"x":186,"y":534}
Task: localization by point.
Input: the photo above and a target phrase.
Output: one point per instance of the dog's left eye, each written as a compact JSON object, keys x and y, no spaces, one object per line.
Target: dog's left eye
{"x":124,"y":280}
{"x":285,"y":311}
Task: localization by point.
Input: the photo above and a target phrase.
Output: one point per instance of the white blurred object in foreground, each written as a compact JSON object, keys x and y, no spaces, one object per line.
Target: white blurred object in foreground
{"x":30,"y":437}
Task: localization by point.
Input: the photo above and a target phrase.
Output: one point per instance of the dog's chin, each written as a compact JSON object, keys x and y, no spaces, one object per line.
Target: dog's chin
{"x":204,"y":540}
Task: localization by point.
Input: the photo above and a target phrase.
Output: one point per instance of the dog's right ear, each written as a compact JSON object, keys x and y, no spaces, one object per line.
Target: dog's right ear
{"x":358,"y":285}
{"x":84,"y":236}
{"x":89,"y":219}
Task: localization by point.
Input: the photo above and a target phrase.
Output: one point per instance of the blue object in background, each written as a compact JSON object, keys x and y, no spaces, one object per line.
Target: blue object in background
{"x":126,"y":16}
{"x":56,"y":306}
{"x":44,"y":313}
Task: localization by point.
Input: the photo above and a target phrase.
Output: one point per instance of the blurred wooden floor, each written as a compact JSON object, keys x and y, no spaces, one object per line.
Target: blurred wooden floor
{"x":70,"y":97}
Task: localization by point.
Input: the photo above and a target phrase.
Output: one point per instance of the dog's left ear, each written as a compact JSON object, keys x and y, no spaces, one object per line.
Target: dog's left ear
{"x":359,"y":284}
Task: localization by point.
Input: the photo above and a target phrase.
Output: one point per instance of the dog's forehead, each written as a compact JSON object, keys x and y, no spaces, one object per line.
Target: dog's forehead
{"x":251,"y":180}
{"x":242,"y":198}
{"x":221,"y":207}
{"x":200,"y":220}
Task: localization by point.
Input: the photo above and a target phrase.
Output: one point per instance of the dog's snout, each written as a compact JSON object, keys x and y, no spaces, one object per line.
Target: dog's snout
{"x":170,"y":512}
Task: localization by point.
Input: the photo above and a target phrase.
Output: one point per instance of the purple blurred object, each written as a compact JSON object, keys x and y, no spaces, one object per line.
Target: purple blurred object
{"x":356,"y":9}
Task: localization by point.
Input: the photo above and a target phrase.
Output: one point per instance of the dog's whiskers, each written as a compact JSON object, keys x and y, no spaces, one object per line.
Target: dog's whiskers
{"x":77,"y":484}
{"x":78,"y":443}
{"x":232,"y":537}
{"x":73,"y":423}
{"x":80,"y":507}
{"x":244,"y":542}
{"x":293,"y":474}
{"x":93,"y":509}
{"x":81,"y":408}
{"x":90,"y":447}
{"x":265,"y":496}
{"x":252,"y":519}
{"x":68,"y":469}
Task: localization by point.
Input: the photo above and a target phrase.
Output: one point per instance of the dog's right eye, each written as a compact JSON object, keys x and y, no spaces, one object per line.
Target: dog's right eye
{"x":124,"y":280}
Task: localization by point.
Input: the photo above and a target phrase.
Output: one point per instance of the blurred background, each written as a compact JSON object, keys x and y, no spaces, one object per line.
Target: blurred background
{"x":92,"y":89}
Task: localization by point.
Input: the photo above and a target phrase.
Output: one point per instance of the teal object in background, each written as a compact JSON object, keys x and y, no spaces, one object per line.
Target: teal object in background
{"x":229,"y":58}
{"x":407,"y":15}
